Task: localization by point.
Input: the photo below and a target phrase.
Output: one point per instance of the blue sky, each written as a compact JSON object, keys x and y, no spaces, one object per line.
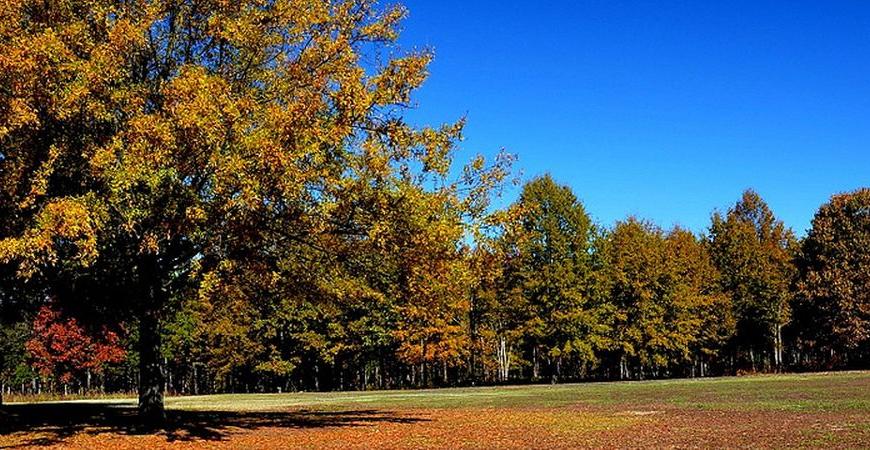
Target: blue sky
{"x":661,"y":109}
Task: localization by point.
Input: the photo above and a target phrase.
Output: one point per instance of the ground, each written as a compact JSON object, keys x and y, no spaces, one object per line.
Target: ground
{"x":829,"y":410}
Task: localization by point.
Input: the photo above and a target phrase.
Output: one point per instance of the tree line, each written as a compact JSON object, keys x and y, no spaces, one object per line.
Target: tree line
{"x":202,"y":196}
{"x":541,"y":294}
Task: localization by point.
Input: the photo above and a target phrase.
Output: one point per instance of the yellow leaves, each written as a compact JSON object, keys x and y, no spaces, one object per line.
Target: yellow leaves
{"x":395,"y":82}
{"x":37,"y":63}
{"x":39,"y":182}
{"x":196,"y":214}
{"x":141,"y":154}
{"x":304,"y":13}
{"x":351,"y":100}
{"x":200,"y":104}
{"x":238,"y":128}
{"x":386,"y":27}
{"x":73,"y":221}
{"x":376,"y":159}
{"x":275,"y":367}
{"x":16,"y":114}
{"x":437,"y":147}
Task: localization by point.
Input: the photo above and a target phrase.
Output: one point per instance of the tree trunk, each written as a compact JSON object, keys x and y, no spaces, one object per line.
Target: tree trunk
{"x":777,"y":355}
{"x":151,"y":410}
{"x":535,"y":366}
{"x":168,"y":375}
{"x":2,"y":383}
{"x":317,"y":377}
{"x":503,"y":359}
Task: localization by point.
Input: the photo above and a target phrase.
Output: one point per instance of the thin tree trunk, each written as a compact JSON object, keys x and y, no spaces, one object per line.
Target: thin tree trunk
{"x":168,"y":377}
{"x":316,"y":377}
{"x":503,"y":359}
{"x":423,"y":378}
{"x":778,"y":348}
{"x":535,"y":366}
{"x":557,"y":374}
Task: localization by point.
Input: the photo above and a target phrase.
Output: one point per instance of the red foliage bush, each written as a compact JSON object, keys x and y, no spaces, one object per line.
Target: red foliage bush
{"x":63,"y":348}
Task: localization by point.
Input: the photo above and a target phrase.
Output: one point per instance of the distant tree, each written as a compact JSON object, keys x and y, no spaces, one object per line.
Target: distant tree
{"x":754,"y":252}
{"x":13,"y":354}
{"x":636,"y":274}
{"x":702,"y":312}
{"x":564,"y":318}
{"x":669,"y":310}
{"x":499,"y":308}
{"x":834,"y":286}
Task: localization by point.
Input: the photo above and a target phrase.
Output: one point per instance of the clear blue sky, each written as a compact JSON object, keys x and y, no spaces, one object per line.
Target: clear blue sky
{"x":661,"y":109}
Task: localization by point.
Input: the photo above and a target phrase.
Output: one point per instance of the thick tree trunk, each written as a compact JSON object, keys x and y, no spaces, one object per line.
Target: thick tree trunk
{"x":151,"y":410}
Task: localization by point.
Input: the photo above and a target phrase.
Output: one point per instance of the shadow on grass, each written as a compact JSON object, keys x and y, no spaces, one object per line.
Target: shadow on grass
{"x":53,"y":423}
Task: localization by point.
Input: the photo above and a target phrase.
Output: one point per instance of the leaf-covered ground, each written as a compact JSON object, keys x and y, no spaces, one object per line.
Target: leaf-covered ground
{"x":813,"y":411}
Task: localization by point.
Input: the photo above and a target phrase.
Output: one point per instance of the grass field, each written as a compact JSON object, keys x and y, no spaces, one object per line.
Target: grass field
{"x":811,"y":411}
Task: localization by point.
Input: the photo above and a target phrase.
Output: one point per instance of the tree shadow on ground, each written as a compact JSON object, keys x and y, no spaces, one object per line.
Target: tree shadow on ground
{"x":53,"y":423}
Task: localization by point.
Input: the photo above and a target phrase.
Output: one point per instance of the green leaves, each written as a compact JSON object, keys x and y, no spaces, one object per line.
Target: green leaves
{"x":754,"y":253}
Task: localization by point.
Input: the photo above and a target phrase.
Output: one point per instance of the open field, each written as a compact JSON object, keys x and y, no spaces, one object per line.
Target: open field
{"x":812,"y":411}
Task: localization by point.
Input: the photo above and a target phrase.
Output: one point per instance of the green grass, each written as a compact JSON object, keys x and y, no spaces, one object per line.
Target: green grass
{"x":844,"y":391}
{"x":811,"y":392}
{"x":769,"y":411}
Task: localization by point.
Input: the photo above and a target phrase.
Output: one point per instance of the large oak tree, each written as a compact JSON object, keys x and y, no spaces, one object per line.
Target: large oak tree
{"x":148,"y":144}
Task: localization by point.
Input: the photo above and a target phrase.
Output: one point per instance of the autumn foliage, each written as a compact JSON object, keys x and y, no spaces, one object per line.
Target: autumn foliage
{"x":237,"y":181}
{"x":63,"y":349}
